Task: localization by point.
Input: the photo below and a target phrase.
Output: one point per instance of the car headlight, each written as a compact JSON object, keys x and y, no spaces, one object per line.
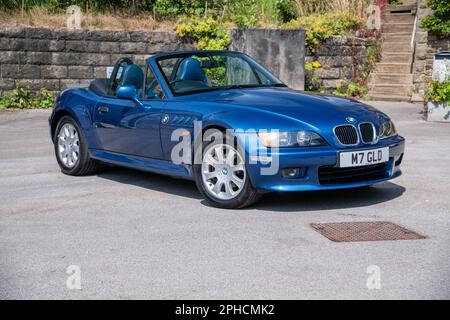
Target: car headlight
{"x":387,"y":129}
{"x":281,"y":139}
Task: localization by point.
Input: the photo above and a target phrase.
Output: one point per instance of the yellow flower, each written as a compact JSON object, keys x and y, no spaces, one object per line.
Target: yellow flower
{"x":316,"y":64}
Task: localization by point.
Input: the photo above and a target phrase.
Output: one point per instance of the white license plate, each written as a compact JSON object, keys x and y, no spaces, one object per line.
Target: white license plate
{"x":363,"y":157}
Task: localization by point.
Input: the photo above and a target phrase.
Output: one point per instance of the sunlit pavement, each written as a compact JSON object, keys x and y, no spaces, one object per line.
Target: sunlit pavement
{"x":139,"y":235}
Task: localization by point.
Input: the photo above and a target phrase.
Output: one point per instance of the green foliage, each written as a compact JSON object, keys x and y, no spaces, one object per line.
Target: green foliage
{"x":352,"y":90}
{"x":441,"y":8}
{"x":322,"y":27}
{"x":171,"y":8}
{"x":436,"y":25}
{"x":312,"y":81}
{"x":285,"y":10}
{"x":438,"y":92}
{"x":241,"y":13}
{"x":21,"y":98}
{"x":373,"y":54}
{"x":244,"y":14}
{"x":362,"y":70}
{"x":439,"y":23}
{"x":92,"y":5}
{"x":207,"y":32}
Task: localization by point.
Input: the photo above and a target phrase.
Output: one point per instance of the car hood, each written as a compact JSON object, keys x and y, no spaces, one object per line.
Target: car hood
{"x":313,"y":109}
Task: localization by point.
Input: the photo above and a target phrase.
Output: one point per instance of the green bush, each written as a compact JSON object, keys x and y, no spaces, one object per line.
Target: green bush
{"x":439,"y":23}
{"x":21,"y":98}
{"x":312,"y":81}
{"x":285,"y":10}
{"x":322,"y":27}
{"x":438,"y":92}
{"x":244,"y":14}
{"x":94,"y":6}
{"x":207,"y":32}
{"x":172,"y":8}
{"x":351,"y":90}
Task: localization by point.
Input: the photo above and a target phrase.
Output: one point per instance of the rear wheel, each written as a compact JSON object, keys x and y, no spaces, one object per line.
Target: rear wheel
{"x":222,"y":178}
{"x":71,"y":149}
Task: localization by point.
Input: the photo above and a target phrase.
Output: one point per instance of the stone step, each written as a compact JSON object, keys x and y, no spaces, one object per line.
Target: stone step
{"x":409,"y":2}
{"x":397,"y":27}
{"x":392,"y":78}
{"x":395,"y":57}
{"x":396,"y":47}
{"x":391,"y":89}
{"x":398,"y":18}
{"x":397,"y":37}
{"x":393,"y":67}
{"x":397,"y":9}
{"x":388,"y":97}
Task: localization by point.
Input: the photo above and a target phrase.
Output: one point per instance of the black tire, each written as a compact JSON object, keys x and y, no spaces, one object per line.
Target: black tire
{"x":248,"y":196}
{"x":84,"y":165}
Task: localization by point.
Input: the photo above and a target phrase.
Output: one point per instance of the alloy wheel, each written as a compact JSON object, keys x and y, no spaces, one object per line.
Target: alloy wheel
{"x":223,"y":172}
{"x":68,"y":145}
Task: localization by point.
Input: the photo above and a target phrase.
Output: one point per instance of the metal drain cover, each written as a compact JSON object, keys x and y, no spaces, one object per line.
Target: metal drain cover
{"x":365,"y":231}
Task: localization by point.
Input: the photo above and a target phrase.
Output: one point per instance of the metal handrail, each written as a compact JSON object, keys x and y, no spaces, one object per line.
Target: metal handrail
{"x":413,"y":36}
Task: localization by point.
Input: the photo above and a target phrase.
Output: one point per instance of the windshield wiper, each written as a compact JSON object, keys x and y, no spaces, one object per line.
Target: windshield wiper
{"x":245,"y":86}
{"x":235,"y":86}
{"x":280,"y":85}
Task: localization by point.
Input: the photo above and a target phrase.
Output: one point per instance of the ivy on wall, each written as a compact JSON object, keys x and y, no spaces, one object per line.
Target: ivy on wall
{"x":322,"y":27}
{"x":439,"y":22}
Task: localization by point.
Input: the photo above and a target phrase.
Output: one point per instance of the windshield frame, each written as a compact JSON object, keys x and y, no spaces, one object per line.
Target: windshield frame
{"x":208,"y":53}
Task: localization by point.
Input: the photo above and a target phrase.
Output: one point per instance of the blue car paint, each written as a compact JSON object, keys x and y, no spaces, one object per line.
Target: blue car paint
{"x":137,"y":132}
{"x":135,"y":136}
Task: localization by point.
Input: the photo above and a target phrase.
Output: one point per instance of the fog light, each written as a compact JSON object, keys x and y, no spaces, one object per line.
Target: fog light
{"x":291,"y":173}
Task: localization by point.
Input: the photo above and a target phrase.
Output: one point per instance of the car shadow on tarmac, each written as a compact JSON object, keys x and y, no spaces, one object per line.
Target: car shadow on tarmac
{"x":276,"y":201}
{"x":152,"y":181}
{"x":330,"y":199}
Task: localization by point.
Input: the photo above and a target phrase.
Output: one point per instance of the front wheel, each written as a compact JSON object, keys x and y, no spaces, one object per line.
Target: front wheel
{"x":71,"y":149}
{"x":222,"y":177}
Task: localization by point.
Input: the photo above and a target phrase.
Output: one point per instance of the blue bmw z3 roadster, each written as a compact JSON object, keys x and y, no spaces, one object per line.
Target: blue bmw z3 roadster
{"x":221,"y":119}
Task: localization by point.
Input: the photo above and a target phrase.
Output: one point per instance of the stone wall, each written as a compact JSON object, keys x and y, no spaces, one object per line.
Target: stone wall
{"x":281,"y":51}
{"x":340,"y":58}
{"x":55,"y":59}
{"x":426,"y":45}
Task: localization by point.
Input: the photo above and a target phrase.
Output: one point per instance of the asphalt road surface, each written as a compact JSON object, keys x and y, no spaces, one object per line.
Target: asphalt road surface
{"x":126,"y":234}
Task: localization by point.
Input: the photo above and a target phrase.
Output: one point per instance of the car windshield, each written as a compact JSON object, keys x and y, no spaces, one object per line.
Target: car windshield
{"x":205,"y":71}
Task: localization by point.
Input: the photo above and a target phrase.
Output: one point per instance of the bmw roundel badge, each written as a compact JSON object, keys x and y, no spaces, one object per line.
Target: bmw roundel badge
{"x":350,"y":120}
{"x":165,"y":118}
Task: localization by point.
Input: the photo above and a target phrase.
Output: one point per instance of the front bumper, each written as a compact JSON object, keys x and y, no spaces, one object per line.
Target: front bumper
{"x":315,"y":160}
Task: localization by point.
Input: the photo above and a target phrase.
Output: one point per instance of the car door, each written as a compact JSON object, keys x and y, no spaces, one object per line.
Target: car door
{"x":128,"y":127}
{"x":124,"y":127}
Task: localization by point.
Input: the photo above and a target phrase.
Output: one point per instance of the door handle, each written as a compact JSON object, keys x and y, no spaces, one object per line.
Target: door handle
{"x":103,"y":109}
